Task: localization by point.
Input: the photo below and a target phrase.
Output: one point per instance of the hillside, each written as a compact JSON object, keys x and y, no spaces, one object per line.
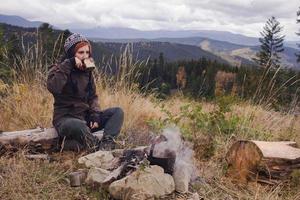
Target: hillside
{"x":235,"y":54}
{"x":144,"y":115}
{"x":151,"y":49}
{"x":141,"y":50}
{"x":18,"y":21}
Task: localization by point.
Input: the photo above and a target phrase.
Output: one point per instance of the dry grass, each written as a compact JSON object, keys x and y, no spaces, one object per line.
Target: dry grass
{"x":274,"y":125}
{"x":27,"y":105}
{"x":137,"y":107}
{"x":277,"y":125}
{"x":24,"y":179}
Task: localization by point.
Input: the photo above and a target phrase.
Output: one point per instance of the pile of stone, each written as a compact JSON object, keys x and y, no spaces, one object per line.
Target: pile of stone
{"x":131,"y":174}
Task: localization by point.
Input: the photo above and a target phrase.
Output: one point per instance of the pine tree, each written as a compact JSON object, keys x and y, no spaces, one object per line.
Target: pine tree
{"x":271,"y":45}
{"x":161,"y":61}
{"x":1,"y":43}
{"x":46,"y":39}
{"x":298,"y":21}
{"x":9,"y":49}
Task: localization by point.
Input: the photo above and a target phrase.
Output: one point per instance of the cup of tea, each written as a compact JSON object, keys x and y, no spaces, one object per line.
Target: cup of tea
{"x":89,"y":64}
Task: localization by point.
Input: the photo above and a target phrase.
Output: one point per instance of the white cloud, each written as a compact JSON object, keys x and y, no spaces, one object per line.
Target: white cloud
{"x":239,"y":16}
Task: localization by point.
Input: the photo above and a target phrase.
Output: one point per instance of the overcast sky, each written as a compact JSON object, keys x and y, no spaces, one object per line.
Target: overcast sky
{"x":238,"y":16}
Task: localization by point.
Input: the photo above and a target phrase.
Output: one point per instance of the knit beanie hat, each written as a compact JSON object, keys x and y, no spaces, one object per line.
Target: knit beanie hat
{"x":71,"y":41}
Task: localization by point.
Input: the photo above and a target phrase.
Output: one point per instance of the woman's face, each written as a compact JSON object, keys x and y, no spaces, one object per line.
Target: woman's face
{"x":83,"y":52}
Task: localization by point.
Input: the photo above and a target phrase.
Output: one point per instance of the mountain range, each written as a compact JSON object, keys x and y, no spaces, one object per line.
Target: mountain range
{"x":235,"y":49}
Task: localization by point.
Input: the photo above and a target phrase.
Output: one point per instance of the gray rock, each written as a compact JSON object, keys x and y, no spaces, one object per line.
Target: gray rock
{"x":117,"y":152}
{"x":142,"y":148}
{"x":100,"y":159}
{"x":96,"y":176}
{"x":150,"y":182}
{"x":195,"y":196}
{"x":182,"y":176}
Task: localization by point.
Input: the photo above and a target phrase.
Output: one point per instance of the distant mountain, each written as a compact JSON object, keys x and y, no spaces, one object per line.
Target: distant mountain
{"x":242,"y":54}
{"x":119,"y":33}
{"x":18,"y":21}
{"x":235,"y":54}
{"x":171,"y":51}
{"x":128,"y":34}
{"x":292,"y":44}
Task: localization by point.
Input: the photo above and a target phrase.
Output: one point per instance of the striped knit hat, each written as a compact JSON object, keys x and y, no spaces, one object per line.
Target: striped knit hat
{"x":74,"y":39}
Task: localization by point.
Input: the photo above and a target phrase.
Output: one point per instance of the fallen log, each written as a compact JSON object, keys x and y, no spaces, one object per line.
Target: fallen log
{"x":261,"y":160}
{"x":45,"y":137}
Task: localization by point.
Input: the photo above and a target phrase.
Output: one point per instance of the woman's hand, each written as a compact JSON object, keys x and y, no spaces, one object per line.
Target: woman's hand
{"x":79,"y":64}
{"x":94,"y":125}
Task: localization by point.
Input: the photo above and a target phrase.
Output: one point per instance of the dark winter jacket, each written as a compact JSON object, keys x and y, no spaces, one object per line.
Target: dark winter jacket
{"x":74,"y":92}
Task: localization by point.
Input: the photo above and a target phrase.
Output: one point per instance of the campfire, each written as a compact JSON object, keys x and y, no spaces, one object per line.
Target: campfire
{"x":163,"y":167}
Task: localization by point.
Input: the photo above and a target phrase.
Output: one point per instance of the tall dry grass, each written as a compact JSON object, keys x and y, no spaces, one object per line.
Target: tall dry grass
{"x":28,"y":104}
{"x":268,"y":91}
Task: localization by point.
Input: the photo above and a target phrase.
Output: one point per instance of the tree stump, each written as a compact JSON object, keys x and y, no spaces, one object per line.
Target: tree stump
{"x":264,"y":161}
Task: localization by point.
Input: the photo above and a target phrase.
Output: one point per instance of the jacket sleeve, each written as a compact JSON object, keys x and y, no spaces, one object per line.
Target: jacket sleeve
{"x":93,"y":99}
{"x":58,"y":76}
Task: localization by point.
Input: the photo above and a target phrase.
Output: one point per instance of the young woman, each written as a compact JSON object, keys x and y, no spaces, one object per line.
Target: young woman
{"x":76,"y":108}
